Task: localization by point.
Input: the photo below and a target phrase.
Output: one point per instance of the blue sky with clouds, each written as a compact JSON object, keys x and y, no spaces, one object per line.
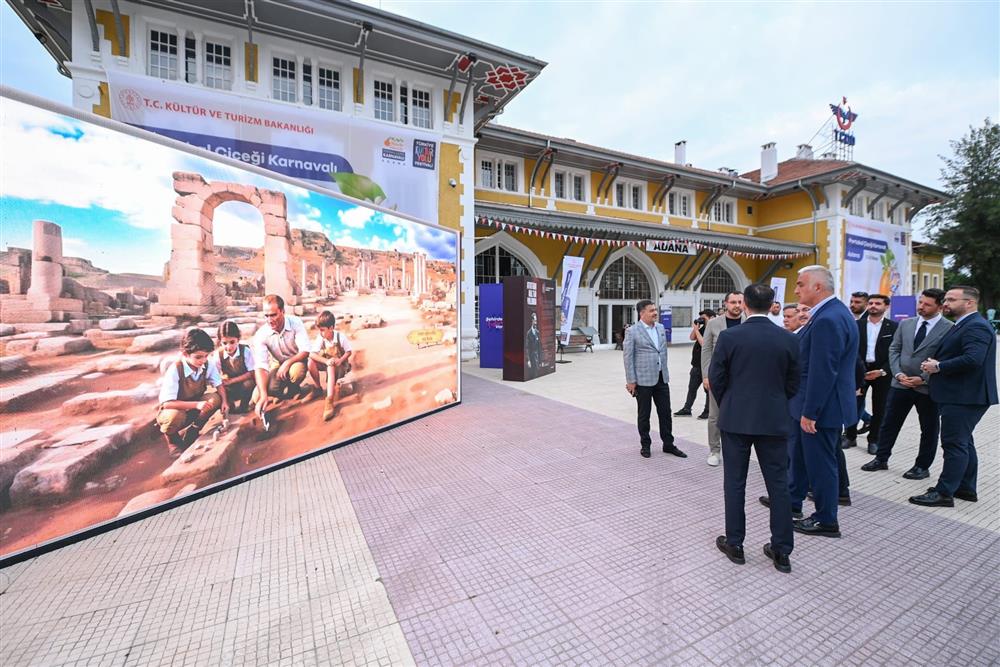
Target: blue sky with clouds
{"x":727,"y":77}
{"x":83,"y":178}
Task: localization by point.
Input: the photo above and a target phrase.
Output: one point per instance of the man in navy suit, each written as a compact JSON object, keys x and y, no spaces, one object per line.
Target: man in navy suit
{"x":825,"y":402}
{"x":964,"y":385}
{"x":754,"y":371}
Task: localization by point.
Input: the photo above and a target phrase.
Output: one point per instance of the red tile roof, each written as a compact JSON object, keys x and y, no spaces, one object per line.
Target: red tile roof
{"x":794,"y":169}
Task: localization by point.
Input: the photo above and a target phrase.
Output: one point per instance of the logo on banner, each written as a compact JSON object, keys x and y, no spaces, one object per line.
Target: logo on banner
{"x":130,"y":99}
{"x":423,"y":153}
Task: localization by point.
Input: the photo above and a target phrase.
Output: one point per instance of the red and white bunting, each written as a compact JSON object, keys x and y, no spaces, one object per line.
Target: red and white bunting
{"x":532,"y":231}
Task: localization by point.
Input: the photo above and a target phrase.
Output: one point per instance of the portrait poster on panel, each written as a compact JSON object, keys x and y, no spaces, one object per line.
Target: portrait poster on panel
{"x":529,"y":332}
{"x":173,"y":321}
{"x":875,"y":258}
{"x":571,"y":270}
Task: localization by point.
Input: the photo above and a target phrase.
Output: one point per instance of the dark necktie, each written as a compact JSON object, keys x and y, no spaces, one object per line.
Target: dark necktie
{"x":921,"y":334}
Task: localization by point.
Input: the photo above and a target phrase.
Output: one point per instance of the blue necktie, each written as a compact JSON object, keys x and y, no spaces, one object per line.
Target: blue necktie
{"x":921,"y":334}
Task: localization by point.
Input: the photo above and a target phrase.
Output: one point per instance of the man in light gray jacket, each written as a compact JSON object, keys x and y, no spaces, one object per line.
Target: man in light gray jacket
{"x":733,"y":316}
{"x":645,"y":356}
{"x":916,"y":340}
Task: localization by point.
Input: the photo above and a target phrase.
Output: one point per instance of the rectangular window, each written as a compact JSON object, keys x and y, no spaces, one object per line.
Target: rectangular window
{"x":307,"y":83}
{"x":404,"y":109}
{"x":283,"y":80}
{"x":722,"y":211}
{"x":510,"y":177}
{"x":926,"y":281}
{"x":637,"y":197}
{"x":857,"y":206}
{"x":913,"y":283}
{"x":559,"y":184}
{"x":486,"y":174}
{"x":620,"y":194}
{"x":422,"y":108}
{"x":879,"y":212}
{"x":218,"y":66}
{"x":190,"y":60}
{"x":679,"y":203}
{"x":162,"y":54}
{"x":934,"y":281}
{"x":685,"y":206}
{"x":329,"y":88}
{"x":578,"y":188}
{"x":672,"y":203}
{"x":384,"y":109}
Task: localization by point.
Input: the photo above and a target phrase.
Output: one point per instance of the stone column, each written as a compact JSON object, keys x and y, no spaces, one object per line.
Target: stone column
{"x":46,"y":261}
{"x":322,"y":279}
{"x":402,"y":271}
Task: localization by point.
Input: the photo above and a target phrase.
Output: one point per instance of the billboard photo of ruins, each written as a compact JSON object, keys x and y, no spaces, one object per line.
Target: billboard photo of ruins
{"x":115,"y":251}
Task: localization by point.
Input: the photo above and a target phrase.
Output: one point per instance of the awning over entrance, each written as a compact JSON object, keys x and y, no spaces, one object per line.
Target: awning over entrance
{"x":614,"y":231}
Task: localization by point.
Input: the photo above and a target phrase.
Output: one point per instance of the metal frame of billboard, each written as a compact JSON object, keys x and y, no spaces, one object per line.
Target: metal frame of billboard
{"x":13,"y":558}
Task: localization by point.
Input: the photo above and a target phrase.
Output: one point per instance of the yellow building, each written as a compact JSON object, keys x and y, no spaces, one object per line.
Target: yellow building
{"x":668,"y":231}
{"x":927,"y":267}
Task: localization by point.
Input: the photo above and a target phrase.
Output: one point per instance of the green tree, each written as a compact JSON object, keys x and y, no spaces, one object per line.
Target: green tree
{"x":967,"y":226}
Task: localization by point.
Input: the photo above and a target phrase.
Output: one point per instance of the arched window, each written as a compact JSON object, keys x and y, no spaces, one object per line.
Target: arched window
{"x":493,"y":265}
{"x":718,"y":281}
{"x":623,"y":279}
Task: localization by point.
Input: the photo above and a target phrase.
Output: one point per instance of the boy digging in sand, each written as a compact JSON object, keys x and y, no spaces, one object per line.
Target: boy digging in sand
{"x":330,"y":352}
{"x":235,"y":362}
{"x":185,"y":403}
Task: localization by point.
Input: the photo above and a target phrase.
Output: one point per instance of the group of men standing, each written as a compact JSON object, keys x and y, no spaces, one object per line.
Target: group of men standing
{"x":796,"y":396}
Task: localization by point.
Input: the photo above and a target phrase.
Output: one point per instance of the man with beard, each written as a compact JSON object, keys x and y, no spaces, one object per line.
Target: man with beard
{"x":733,"y":316}
{"x":875,"y":336}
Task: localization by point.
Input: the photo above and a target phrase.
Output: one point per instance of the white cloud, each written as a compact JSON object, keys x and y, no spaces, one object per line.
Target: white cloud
{"x":74,"y":247}
{"x":356,"y":217}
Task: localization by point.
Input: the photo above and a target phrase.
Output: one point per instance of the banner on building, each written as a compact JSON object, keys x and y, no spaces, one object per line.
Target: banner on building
{"x":571,"y":269}
{"x":670,"y":247}
{"x":875,"y":258}
{"x":491,"y":325}
{"x":391,"y":166}
{"x":127,"y":249}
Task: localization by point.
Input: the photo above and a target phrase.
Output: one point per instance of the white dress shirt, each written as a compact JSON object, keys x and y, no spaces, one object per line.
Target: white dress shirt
{"x":320,"y":344}
{"x":651,"y":332}
{"x":171,"y":383}
{"x":281,"y":345}
{"x":930,"y":324}
{"x":873,"y":329}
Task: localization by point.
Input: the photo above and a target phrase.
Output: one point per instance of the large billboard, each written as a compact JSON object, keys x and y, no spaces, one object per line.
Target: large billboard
{"x":875,"y":258}
{"x":382,"y":163}
{"x":173,"y":321}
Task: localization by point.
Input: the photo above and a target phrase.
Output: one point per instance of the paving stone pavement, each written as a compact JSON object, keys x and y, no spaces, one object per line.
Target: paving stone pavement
{"x":515,"y":529}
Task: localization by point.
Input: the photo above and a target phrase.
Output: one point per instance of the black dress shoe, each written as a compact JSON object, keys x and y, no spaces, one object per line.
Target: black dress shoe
{"x":645,"y":452}
{"x":864,"y":429}
{"x":916,"y":472}
{"x":933,"y":499}
{"x":847,"y":443}
{"x":766,"y":502}
{"x":873,"y":448}
{"x":734,"y":554}
{"x":967,"y":496}
{"x":683,"y":412}
{"x":781,"y":562}
{"x":672,"y":449}
{"x":811,"y":526}
{"x":703,"y":415}
{"x":874,"y":465}
{"x":844,"y":501}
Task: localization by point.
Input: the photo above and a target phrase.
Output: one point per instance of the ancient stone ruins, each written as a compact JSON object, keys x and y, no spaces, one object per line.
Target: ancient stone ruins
{"x":83,"y":348}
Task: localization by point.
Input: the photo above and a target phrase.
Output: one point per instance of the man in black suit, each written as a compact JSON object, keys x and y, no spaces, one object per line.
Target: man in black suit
{"x":875,"y":332}
{"x":754,"y":371}
{"x":964,"y":385}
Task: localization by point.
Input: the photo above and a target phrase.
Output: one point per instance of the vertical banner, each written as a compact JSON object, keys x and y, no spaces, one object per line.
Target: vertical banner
{"x":667,"y":319}
{"x":779,"y":286}
{"x":875,"y":258}
{"x":491,"y":325}
{"x":571,"y":269}
{"x":903,"y":307}
{"x":529,"y":332}
{"x":392,"y":166}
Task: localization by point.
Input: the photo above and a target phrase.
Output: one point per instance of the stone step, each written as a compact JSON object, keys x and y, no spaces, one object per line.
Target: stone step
{"x":111,"y":402}
{"x":60,"y":345}
{"x":206,"y":459}
{"x":20,"y":392}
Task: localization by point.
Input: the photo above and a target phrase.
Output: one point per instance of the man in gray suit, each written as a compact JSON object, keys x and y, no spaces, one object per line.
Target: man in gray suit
{"x":733,"y":316}
{"x":646,"y":376}
{"x":916,"y":340}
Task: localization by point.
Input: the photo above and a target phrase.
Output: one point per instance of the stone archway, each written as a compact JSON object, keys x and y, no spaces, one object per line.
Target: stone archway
{"x":191,"y":288}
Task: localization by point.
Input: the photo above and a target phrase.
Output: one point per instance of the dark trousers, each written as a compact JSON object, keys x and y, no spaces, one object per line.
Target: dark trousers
{"x":880,"y":392}
{"x":843,"y":479}
{"x":660,"y":395}
{"x":961,"y":464}
{"x":772,"y":455}
{"x":694,"y":384}
{"x":897,"y":408}
{"x":815,"y":466}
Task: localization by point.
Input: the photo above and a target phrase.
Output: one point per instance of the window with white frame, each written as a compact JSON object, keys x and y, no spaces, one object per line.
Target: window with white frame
{"x":878,"y":211}
{"x":384,"y":108}
{"x":559,"y":184}
{"x":307,"y":83}
{"x":497,"y":173}
{"x":421,"y":108}
{"x":724,"y":210}
{"x":568,"y":185}
{"x":283,"y":80}
{"x":190,"y":60}
{"x":579,"y":188}
{"x":913,"y":283}
{"x":857,"y":206}
{"x":934,"y":281}
{"x":897,"y":215}
{"x":927,"y":280}
{"x":629,"y":194}
{"x":329,"y":88}
{"x":679,"y":204}
{"x":163,"y":54}
{"x":218,"y":65}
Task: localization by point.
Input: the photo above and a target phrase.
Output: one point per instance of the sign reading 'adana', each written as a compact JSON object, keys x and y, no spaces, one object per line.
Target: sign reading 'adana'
{"x":671,"y":247}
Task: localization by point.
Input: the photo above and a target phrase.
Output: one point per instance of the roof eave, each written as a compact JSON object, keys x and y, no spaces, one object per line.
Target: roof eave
{"x":828,"y":177}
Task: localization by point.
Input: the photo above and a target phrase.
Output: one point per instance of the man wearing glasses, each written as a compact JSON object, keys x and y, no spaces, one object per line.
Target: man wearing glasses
{"x":280,"y":349}
{"x":963,"y":382}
